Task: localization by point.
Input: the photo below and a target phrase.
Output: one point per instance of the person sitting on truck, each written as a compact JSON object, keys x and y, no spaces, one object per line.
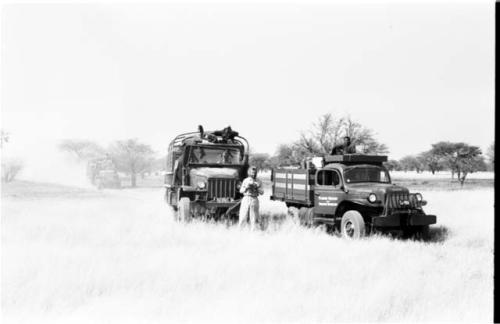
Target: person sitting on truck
{"x":251,"y":188}
{"x":225,"y":157}
{"x":345,"y":148}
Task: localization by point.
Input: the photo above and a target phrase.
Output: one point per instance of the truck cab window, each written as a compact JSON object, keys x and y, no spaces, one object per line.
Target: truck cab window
{"x":335,"y":178}
{"x":328,"y":178}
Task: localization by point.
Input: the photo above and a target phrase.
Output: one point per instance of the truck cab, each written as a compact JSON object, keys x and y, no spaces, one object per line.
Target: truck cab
{"x":352,"y":193}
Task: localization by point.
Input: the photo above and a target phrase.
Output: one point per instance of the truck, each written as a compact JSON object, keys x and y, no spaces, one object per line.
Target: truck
{"x":203,"y":174}
{"x":108,"y":178}
{"x":102,"y":173}
{"x":351,"y":194}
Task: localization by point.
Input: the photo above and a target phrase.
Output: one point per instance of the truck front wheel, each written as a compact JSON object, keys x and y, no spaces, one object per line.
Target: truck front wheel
{"x":352,"y":225}
{"x":184,"y":210}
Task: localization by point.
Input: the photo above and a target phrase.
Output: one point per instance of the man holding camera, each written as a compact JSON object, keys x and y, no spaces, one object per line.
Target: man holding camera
{"x":251,"y":188}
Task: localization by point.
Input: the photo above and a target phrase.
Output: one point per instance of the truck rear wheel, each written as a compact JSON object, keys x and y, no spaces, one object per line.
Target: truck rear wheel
{"x":293,"y":213}
{"x":352,"y":225}
{"x":309,"y":217}
{"x":184,"y":210}
{"x":302,"y":215}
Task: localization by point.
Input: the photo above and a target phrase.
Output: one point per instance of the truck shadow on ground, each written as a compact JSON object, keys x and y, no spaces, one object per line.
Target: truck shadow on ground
{"x":437,"y":234}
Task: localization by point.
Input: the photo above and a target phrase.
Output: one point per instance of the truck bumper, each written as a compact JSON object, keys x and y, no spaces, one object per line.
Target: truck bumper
{"x":210,"y":204}
{"x":402,"y":220}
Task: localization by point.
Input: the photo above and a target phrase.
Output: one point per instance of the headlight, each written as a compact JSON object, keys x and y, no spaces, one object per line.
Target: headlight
{"x":419,"y":197}
{"x":201,"y":185}
{"x":238,"y":185}
{"x":372,"y":198}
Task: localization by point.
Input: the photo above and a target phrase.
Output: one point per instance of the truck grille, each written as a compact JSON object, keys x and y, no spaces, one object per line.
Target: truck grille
{"x":401,"y":201}
{"x":221,"y":188}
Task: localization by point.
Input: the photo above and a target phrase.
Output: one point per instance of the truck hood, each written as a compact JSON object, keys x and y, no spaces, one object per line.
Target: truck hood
{"x":203,"y":174}
{"x":368,"y":187}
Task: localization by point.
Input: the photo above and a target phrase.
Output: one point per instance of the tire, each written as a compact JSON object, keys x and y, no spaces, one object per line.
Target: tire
{"x":309,"y":217}
{"x":293,"y":213}
{"x":184,"y":210}
{"x":352,"y":225}
{"x":302,"y":215}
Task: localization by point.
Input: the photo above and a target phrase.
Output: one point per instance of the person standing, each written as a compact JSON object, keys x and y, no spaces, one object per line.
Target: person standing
{"x":345,"y":148}
{"x":251,"y":188}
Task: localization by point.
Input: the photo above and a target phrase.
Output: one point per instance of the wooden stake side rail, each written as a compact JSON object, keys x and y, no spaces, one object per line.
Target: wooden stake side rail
{"x":293,"y":185}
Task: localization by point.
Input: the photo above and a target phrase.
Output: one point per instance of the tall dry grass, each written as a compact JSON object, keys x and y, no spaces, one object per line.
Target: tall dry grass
{"x":120,"y":258}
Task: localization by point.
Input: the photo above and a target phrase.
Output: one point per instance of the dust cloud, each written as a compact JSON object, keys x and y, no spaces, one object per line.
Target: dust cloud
{"x":43,"y":162}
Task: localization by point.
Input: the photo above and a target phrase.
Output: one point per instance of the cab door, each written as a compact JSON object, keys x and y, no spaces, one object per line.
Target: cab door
{"x":327,"y":191}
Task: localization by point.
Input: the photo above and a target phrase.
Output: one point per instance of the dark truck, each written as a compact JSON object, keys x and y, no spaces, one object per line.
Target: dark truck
{"x":352,"y":193}
{"x":204,"y":171}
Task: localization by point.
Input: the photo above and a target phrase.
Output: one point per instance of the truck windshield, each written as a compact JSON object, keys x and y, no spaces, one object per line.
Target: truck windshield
{"x":366,"y":174}
{"x":215,"y":155}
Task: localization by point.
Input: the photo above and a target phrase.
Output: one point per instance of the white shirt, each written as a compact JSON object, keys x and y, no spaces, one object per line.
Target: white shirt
{"x":248,"y":190}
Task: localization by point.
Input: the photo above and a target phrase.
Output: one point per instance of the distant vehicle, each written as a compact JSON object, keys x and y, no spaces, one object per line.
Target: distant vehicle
{"x":102,"y":173}
{"x":108,"y":179}
{"x":204,"y":171}
{"x":352,"y":193}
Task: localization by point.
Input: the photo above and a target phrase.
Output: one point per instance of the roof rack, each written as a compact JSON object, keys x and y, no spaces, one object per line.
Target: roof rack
{"x":180,"y":140}
{"x":356,"y":158}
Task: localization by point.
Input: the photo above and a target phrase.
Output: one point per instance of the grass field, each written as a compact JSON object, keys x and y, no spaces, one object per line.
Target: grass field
{"x":73,"y":255}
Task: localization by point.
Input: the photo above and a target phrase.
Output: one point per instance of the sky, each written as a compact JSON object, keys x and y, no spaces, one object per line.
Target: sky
{"x":414,"y":73}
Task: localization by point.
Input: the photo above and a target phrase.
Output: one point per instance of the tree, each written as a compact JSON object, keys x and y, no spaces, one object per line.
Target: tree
{"x":431,"y":161}
{"x":11,"y":168}
{"x":393,"y":165}
{"x":446,"y":151}
{"x":158,"y":165}
{"x":469,"y":160}
{"x":410,"y":163}
{"x":363,"y":137}
{"x":132,"y":157}
{"x":260,"y":160}
{"x":329,"y":131}
{"x":4,"y":137}
{"x":288,"y":155}
{"x":461,"y":158}
{"x":490,"y":155}
{"x":84,"y":150}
